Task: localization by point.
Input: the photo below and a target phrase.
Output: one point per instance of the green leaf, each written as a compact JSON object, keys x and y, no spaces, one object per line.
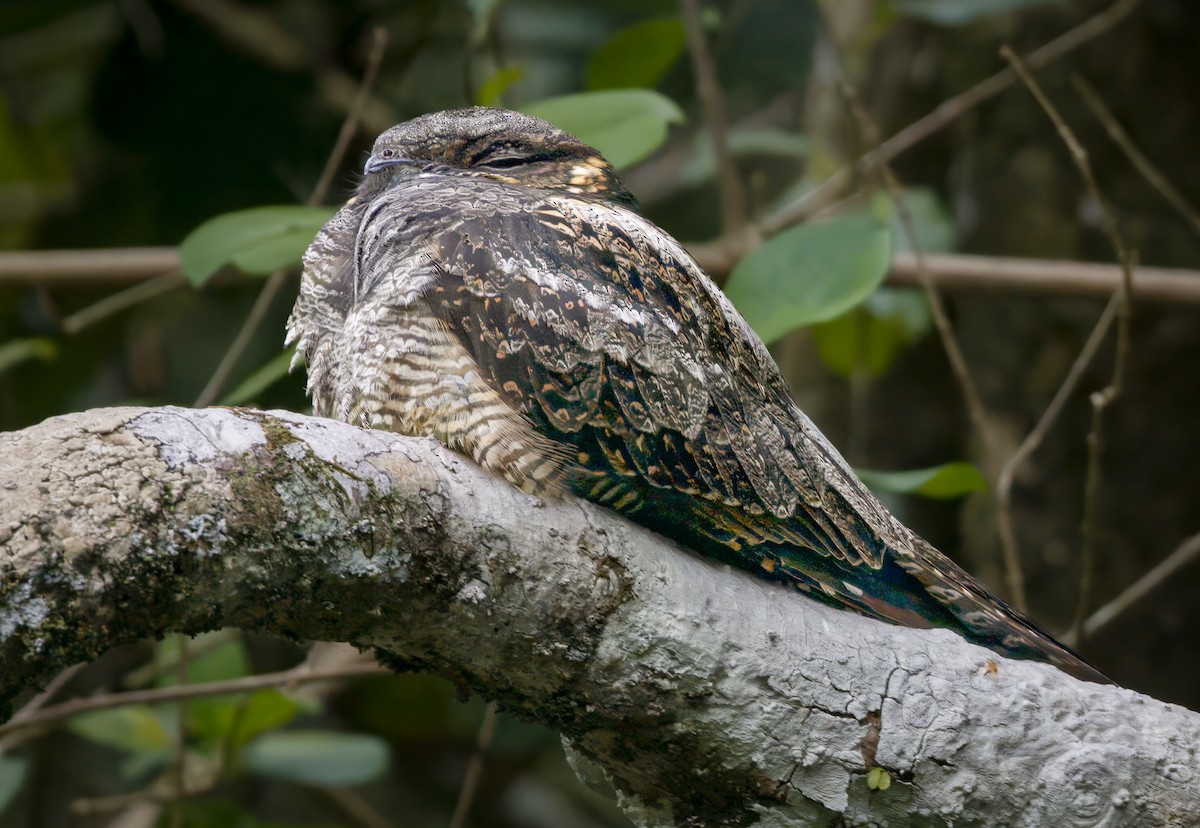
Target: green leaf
{"x":637,"y":56}
{"x":134,"y":728}
{"x":944,"y":482}
{"x":318,"y":757}
{"x":265,"y":710}
{"x":12,"y":775}
{"x":228,"y":659}
{"x":266,"y":376}
{"x":870,"y":336}
{"x":931,"y":221}
{"x":810,"y":273}
{"x":238,"y":719}
{"x":626,"y":125}
{"x":258,"y":241}
{"x":961,"y":12}
{"x":495,"y":86}
{"x":16,"y":351}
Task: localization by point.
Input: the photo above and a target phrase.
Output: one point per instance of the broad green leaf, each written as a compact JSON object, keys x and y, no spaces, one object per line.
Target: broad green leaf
{"x":637,"y":56}
{"x":16,"y":351}
{"x":211,"y":716}
{"x":226,"y":660}
{"x":237,"y":718}
{"x":12,"y":774}
{"x":265,"y":710}
{"x":276,"y":369}
{"x":495,"y":86}
{"x":134,"y":727}
{"x":810,"y":273}
{"x":318,"y":757}
{"x":932,"y":222}
{"x":944,"y":482}
{"x":257,"y":241}
{"x":626,"y":125}
{"x":870,"y":336}
{"x":961,"y":12}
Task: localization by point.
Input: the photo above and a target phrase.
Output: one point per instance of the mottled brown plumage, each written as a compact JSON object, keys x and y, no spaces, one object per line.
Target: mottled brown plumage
{"x":491,"y":284}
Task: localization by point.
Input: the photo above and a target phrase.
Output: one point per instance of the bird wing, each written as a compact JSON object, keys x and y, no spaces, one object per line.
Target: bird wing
{"x":601,"y":330}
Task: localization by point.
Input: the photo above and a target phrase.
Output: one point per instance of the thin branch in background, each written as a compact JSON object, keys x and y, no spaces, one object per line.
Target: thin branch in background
{"x":52,"y":714}
{"x":950,"y":272}
{"x":274,"y":284}
{"x":955,"y":272}
{"x":733,"y":194}
{"x":941,"y":319}
{"x":1102,"y":399}
{"x":34,"y":706}
{"x":1184,"y":555}
{"x":355,"y":805}
{"x":178,"y":771}
{"x":1136,"y":157}
{"x":104,"y":266}
{"x":470,"y":784}
{"x":946,"y":113}
{"x":259,"y":34}
{"x":123,"y":300}
{"x":1033,"y":440}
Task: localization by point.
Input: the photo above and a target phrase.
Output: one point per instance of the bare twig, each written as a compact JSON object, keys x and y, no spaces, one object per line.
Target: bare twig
{"x":941,"y":321}
{"x":32,"y":707}
{"x":945,"y":113}
{"x":1136,"y":157}
{"x":949,"y":271}
{"x":122,"y":300}
{"x":1184,"y":555}
{"x":954,"y":272}
{"x":277,"y":279}
{"x":355,"y":806}
{"x":177,"y":775}
{"x":258,"y":33}
{"x":56,"y":268}
{"x":1102,"y":399}
{"x":733,"y":195}
{"x":247,"y":684}
{"x":470,"y":784}
{"x":1004,"y":481}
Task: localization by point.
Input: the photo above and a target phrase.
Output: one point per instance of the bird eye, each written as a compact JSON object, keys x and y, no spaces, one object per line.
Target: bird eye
{"x":387,"y":153}
{"x":504,"y":162}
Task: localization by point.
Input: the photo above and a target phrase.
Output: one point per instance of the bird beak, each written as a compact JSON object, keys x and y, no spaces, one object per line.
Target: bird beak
{"x":375,"y":163}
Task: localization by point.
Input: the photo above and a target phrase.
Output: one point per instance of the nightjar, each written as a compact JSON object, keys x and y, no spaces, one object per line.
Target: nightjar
{"x":492,"y":284}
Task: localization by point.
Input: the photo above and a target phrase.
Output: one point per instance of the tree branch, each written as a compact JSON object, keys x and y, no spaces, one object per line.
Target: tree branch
{"x":950,"y":271}
{"x":705,"y":696}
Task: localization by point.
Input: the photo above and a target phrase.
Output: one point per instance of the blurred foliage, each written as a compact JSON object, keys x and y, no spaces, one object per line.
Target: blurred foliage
{"x":257,"y":241}
{"x":810,"y":273}
{"x":945,"y":482}
{"x":626,"y":125}
{"x":207,"y":125}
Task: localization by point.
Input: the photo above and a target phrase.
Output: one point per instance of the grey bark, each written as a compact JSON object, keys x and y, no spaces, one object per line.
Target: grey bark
{"x":702,"y":695}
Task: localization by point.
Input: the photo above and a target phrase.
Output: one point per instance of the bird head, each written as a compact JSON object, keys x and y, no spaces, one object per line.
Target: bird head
{"x":496,"y":144}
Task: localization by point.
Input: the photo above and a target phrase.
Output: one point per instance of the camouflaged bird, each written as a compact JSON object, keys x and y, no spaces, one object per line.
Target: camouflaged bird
{"x":492,"y":284}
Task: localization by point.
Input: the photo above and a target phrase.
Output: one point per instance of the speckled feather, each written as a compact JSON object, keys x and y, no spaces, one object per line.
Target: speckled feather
{"x":491,"y":284}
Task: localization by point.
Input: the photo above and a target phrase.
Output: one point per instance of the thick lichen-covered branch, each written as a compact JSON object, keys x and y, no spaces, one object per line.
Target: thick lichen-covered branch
{"x":705,"y":696}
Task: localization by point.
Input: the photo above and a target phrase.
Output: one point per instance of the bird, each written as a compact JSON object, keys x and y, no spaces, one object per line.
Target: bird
{"x":492,"y":284}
